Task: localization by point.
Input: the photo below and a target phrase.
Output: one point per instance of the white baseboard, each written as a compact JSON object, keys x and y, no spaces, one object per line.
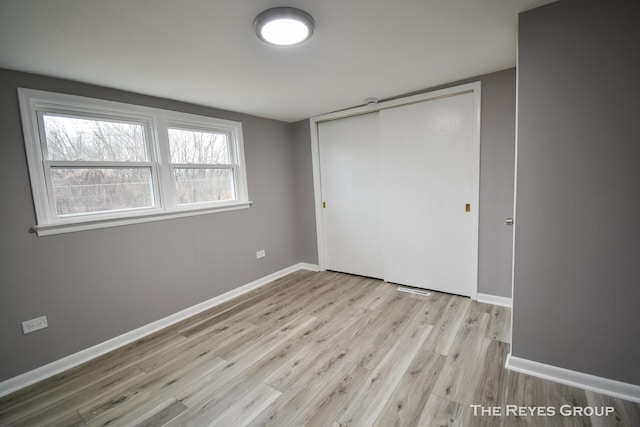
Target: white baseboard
{"x":494,"y":299}
{"x":307,"y":266}
{"x":593,"y":383}
{"x":60,"y":365}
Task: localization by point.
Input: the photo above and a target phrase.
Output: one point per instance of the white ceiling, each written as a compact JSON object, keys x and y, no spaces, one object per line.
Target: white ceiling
{"x":205,"y":51}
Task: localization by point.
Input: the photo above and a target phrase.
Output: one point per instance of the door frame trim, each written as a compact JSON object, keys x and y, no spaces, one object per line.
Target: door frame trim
{"x":473,"y":87}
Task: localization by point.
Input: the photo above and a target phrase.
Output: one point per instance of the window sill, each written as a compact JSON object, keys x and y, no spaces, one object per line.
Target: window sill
{"x":70,"y":227}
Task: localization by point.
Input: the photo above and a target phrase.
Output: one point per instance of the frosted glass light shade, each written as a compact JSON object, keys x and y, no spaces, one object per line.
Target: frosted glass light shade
{"x":283,"y":26}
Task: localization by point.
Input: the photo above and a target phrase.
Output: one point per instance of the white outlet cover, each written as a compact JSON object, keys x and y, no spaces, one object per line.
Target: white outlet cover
{"x":260,"y":254}
{"x":33,"y":325}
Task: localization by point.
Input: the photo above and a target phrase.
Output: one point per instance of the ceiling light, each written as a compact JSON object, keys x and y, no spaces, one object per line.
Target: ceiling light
{"x":283,"y":26}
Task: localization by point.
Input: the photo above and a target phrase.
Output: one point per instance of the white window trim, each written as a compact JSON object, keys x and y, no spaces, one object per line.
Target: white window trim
{"x":33,"y":103}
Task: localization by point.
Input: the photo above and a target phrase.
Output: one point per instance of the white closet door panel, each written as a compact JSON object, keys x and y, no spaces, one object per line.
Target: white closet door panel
{"x":426,"y":181}
{"x":349,"y":157}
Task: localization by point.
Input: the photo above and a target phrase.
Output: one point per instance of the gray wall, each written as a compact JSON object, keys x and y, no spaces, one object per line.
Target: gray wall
{"x":497,"y":152}
{"x":94,"y":285}
{"x":577,"y":265}
{"x":305,"y":202}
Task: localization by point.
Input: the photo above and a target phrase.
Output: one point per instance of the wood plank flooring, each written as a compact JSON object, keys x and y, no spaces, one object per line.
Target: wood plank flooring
{"x":312,"y":349}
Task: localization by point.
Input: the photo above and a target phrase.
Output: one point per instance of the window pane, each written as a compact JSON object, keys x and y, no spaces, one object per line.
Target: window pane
{"x":90,"y":190}
{"x":199,"y":185}
{"x":199,"y":147}
{"x":70,"y":138}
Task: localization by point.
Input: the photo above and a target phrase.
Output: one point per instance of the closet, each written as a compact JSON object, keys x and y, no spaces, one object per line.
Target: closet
{"x":398,"y":186}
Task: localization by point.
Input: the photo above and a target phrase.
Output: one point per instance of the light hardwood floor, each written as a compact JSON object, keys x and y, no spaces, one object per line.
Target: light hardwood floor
{"x":317,"y":349}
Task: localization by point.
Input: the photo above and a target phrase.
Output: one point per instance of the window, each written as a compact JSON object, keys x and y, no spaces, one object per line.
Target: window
{"x":96,"y":163}
{"x":202,"y":166}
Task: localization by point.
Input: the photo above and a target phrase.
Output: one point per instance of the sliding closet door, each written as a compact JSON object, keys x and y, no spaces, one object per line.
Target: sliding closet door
{"x":426,"y":183}
{"x":349,"y":161}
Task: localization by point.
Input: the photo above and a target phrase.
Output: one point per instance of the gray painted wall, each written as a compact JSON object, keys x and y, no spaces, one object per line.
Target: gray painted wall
{"x":577,"y":264}
{"x":94,"y":285}
{"x":497,"y":153}
{"x":305,"y":202}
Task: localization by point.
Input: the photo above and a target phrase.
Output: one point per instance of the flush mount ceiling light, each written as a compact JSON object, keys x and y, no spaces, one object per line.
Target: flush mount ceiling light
{"x":283,"y":26}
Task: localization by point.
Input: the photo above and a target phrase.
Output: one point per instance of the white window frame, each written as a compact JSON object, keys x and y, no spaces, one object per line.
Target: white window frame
{"x":156,"y":122}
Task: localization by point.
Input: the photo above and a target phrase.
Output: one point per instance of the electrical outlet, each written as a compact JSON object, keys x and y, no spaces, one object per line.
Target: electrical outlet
{"x":260,"y":254}
{"x":33,"y":325}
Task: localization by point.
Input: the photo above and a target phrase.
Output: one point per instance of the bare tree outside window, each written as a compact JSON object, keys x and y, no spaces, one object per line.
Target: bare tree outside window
{"x":70,"y":138}
{"x":81,"y":190}
{"x":192,"y":147}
